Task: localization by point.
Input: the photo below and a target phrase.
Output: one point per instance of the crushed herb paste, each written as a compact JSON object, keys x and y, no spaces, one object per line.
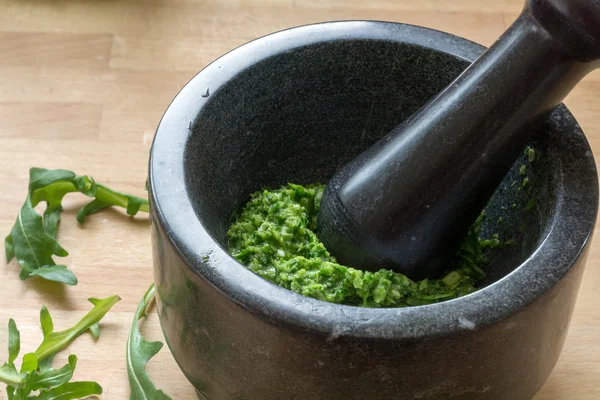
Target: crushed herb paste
{"x":274,"y":236}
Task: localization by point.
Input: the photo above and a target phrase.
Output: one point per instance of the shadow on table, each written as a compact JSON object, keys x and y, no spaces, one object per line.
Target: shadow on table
{"x":51,"y":293}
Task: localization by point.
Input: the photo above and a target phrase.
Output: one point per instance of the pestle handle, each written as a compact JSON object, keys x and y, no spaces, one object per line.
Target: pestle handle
{"x":404,"y":203}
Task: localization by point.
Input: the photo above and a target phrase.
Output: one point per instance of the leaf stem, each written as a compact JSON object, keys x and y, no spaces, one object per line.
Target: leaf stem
{"x":56,"y":341}
{"x":62,"y":187}
{"x":9,"y":377}
{"x":109,"y":196}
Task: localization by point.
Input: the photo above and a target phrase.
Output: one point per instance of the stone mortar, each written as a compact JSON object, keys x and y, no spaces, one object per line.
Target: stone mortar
{"x":293,"y":107}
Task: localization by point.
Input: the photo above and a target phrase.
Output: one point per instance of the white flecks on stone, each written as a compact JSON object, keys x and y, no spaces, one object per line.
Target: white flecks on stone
{"x":465,"y":323}
{"x":338,"y":331}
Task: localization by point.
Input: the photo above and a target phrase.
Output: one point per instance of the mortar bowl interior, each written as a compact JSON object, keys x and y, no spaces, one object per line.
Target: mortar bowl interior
{"x":299,"y":116}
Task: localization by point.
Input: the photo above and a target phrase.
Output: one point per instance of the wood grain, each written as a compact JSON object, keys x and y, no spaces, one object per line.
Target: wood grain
{"x":83,"y":85}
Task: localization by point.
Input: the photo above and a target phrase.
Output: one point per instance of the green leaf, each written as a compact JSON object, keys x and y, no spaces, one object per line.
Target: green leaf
{"x":95,"y":330}
{"x":14,"y":341}
{"x":139,"y":352}
{"x":51,"y":186}
{"x":52,"y":194}
{"x":33,"y":247}
{"x":41,"y":177}
{"x":134,"y":204}
{"x":36,"y":373}
{"x":53,"y":377}
{"x":9,"y":249}
{"x":33,"y":238}
{"x":51,"y":220}
{"x":19,"y":393}
{"x":56,"y":341}
{"x":30,"y":363}
{"x":10,"y":391}
{"x":85,"y":185}
{"x":56,"y":273}
{"x":10,"y":376}
{"x":91,"y":208}
{"x":106,"y":197}
{"x":71,"y":390}
{"x":46,"y":321}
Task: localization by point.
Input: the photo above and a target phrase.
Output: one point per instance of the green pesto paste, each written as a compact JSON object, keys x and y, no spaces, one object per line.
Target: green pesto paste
{"x":274,"y":237}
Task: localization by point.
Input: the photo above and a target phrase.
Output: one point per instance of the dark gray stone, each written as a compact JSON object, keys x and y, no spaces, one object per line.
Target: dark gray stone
{"x":405,"y":203}
{"x":295,"y":106}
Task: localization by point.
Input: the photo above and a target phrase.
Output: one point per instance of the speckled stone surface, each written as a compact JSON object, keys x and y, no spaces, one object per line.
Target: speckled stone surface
{"x":295,"y":106}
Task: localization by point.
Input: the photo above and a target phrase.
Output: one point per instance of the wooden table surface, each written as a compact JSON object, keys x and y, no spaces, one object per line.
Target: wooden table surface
{"x":83,"y":85}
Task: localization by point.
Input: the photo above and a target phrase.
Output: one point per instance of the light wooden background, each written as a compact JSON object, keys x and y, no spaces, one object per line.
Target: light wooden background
{"x":83,"y":85}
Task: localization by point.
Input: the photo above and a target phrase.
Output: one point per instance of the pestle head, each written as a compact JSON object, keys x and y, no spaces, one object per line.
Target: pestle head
{"x":405,"y":203}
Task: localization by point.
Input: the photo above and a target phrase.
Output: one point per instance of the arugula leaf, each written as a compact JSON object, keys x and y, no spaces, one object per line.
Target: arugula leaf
{"x":33,"y":238}
{"x":51,"y":186}
{"x":32,"y":246}
{"x":51,"y":220}
{"x":8,"y":371}
{"x":9,"y":248}
{"x":46,"y":321}
{"x":139,"y":352}
{"x":30,"y":363}
{"x":14,"y":341}
{"x":9,"y":375}
{"x":90,"y":208}
{"x":53,"y":377}
{"x":36,"y":374}
{"x":56,"y":273}
{"x":55,"y":341}
{"x":95,"y":330}
{"x":41,"y":177}
{"x":106,"y":197}
{"x":71,"y":390}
